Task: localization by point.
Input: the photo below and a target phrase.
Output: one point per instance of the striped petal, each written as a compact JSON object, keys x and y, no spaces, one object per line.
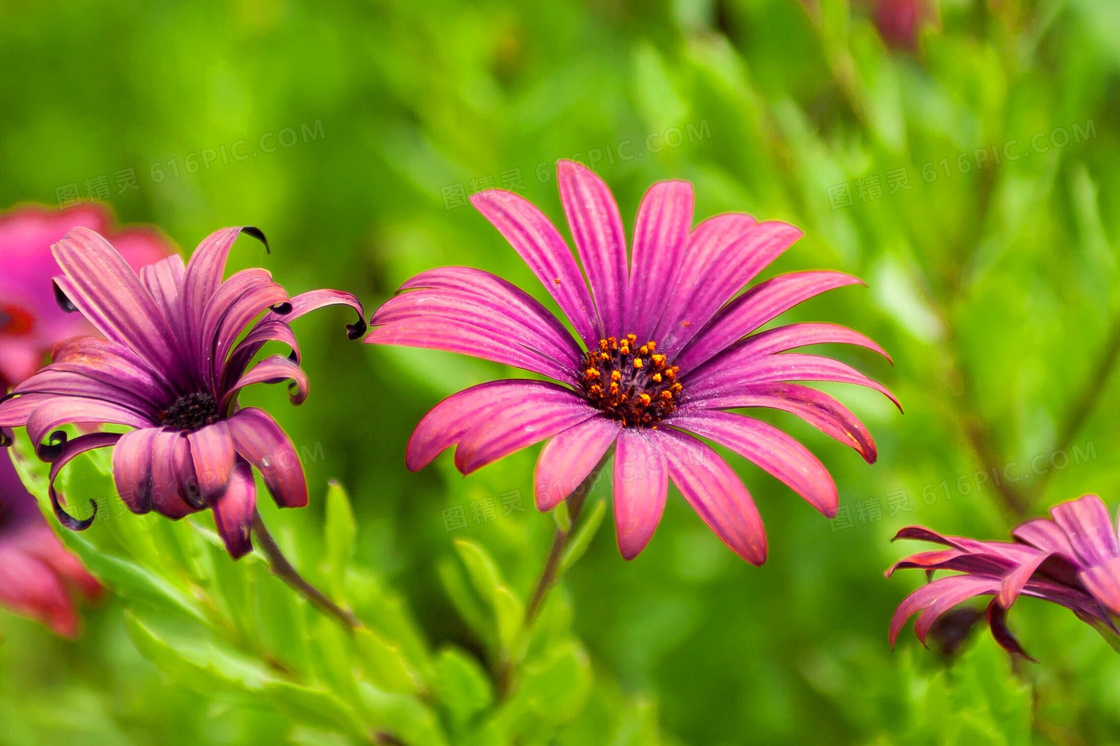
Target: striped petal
{"x":174,"y":485}
{"x":569,"y":458}
{"x":716,"y":493}
{"x":934,"y":599}
{"x":68,"y":452}
{"x":660,"y":237}
{"x":543,"y":249}
{"x":212,"y":455}
{"x":132,"y":468}
{"x":274,"y":369}
{"x":641,"y":485}
{"x":55,"y":412}
{"x":1103,"y":581}
{"x":235,"y":510}
{"x":596,"y":226}
{"x":1089,"y":527}
{"x":205,"y":271}
{"x":265,"y":445}
{"x":770,"y":449}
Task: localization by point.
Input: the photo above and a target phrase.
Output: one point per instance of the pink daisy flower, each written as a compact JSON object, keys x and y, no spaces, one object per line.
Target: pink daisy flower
{"x":1072,"y":560}
{"x":665,"y":346}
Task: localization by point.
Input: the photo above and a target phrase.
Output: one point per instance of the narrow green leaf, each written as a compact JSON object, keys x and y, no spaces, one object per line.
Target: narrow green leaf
{"x":583,"y":536}
{"x":384,"y":662}
{"x":341,"y":532}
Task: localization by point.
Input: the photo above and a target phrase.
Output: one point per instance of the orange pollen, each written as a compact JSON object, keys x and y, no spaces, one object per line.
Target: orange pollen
{"x":630,"y":382}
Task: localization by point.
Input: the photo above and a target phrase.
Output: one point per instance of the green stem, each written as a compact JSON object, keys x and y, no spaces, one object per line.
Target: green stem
{"x":283,"y":569}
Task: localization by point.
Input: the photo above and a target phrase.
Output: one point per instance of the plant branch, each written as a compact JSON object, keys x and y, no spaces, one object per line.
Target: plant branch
{"x":284,"y":570}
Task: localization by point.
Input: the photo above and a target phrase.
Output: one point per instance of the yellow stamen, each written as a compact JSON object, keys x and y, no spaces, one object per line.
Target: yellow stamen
{"x":637,"y":362}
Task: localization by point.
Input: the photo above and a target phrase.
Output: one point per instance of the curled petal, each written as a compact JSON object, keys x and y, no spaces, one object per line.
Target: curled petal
{"x":313,"y":300}
{"x":275,"y":369}
{"x":70,"y":450}
{"x":132,"y":468}
{"x":234,"y":511}
{"x":268,"y":330}
{"x":212,"y":455}
{"x":55,"y":412}
{"x":934,"y":599}
{"x":997,"y":621}
{"x":265,"y":445}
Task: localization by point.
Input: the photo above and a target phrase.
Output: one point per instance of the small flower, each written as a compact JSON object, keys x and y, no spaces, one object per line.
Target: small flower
{"x":667,"y":346}
{"x":171,"y":366}
{"x":1072,"y":560}
{"x":899,"y":21}
{"x":38,"y":578}
{"x":31,"y":323}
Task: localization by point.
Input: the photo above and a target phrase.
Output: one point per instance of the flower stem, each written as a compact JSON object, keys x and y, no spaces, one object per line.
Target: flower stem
{"x":283,"y":569}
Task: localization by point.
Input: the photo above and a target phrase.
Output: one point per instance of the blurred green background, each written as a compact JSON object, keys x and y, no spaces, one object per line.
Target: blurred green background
{"x":351,"y":133}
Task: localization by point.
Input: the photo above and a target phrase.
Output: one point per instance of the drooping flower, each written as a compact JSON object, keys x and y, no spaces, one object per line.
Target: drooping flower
{"x":180,"y":344}
{"x":667,"y":347}
{"x":39,"y":579}
{"x":1072,"y":560}
{"x":31,"y":323}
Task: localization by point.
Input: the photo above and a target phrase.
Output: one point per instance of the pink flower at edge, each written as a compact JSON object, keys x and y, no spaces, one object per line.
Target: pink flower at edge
{"x":1072,"y":560}
{"x":31,"y":323}
{"x":666,"y":346}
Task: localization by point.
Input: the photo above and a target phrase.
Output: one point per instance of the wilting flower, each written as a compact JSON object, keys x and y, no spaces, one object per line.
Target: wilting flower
{"x":666,"y":348}
{"x":31,"y":323}
{"x":38,"y":578}
{"x":1072,"y":560}
{"x":171,"y":366}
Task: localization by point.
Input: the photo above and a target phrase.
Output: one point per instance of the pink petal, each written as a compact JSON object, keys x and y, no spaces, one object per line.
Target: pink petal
{"x":596,"y":227}
{"x":1103,"y":581}
{"x":205,"y":271}
{"x":265,"y":445}
{"x":716,"y":493}
{"x":1089,"y":527}
{"x":945,"y":593}
{"x":173,"y":480}
{"x":660,"y":237}
{"x":770,"y":449}
{"x":274,"y":369}
{"x":569,"y":458}
{"x":212,"y":455}
{"x":793,"y":336}
{"x":235,"y":509}
{"x":132,"y":468}
{"x":541,"y":247}
{"x":164,"y":280}
{"x":69,"y":451}
{"x":641,"y":485}
{"x":58,"y":411}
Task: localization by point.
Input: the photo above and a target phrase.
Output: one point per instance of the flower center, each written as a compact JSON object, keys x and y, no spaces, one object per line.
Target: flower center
{"x":635,"y":385}
{"x":191,"y":412}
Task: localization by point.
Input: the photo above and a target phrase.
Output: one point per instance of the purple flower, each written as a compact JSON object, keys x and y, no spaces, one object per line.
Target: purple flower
{"x":179,"y":346}
{"x":38,"y":577}
{"x":1073,"y":560}
{"x":667,"y":346}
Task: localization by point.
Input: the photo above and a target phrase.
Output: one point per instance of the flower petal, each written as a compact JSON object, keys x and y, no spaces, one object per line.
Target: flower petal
{"x":268,"y":330}
{"x":243,"y":297}
{"x":660,"y":237}
{"x":110,"y":295}
{"x":793,"y":336}
{"x":1089,"y":527}
{"x":65,"y":381}
{"x":58,"y":411}
{"x":769,"y":448}
{"x":29,"y":586}
{"x":164,"y":280}
{"x":596,"y":226}
{"x":313,"y":300}
{"x":738,"y":260}
{"x":543,"y":249}
{"x":235,"y":509}
{"x":791,"y":366}
{"x":212,"y":455}
{"x":174,"y":486}
{"x":815,"y":407}
{"x":762,"y":303}
{"x":274,"y":369}
{"x":938,"y":596}
{"x":205,"y":271}
{"x":1045,"y":535}
{"x":1103,"y":581}
{"x":264,"y":444}
{"x":641,"y":485}
{"x":997,"y":622}
{"x":68,"y":452}
{"x":449,"y":420}
{"x":132,"y":468}
{"x":1013,"y":582}
{"x":716,"y":493}
{"x":569,"y":458}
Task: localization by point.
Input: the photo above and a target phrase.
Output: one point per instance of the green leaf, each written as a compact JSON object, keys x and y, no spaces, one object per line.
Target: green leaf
{"x":341,"y":532}
{"x":508,"y":608}
{"x":402,"y":716}
{"x":578,"y":544}
{"x":461,"y":684}
{"x":384,"y":662}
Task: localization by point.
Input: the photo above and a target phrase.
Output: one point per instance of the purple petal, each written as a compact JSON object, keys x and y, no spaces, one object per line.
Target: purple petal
{"x":212,"y":455}
{"x":240,"y":299}
{"x":938,"y":597}
{"x":997,"y":622}
{"x":449,"y":420}
{"x":815,"y":407}
{"x":1045,"y":535}
{"x":596,"y":227}
{"x":235,"y":509}
{"x":716,"y":493}
{"x":58,"y":411}
{"x":706,"y":248}
{"x":1103,"y":581}
{"x":467,"y":338}
{"x":110,"y":362}
{"x":1089,"y":527}
{"x":164,"y":280}
{"x":69,"y":451}
{"x":265,"y":445}
{"x":205,"y":271}
{"x":110,"y":295}
{"x":59,"y":381}
{"x":173,"y":480}
{"x":641,"y":485}
{"x":757,"y":306}
{"x":569,"y":458}
{"x":541,"y":247}
{"x":770,"y":449}
{"x":791,"y":366}
{"x":519,"y":425}
{"x":793,"y":336}
{"x":132,"y":468}
{"x":1013,"y":582}
{"x":268,"y":330}
{"x":488,"y":303}
{"x":313,"y":300}
{"x":660,"y":237}
{"x":742,"y":254}
{"x":274,"y":369}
